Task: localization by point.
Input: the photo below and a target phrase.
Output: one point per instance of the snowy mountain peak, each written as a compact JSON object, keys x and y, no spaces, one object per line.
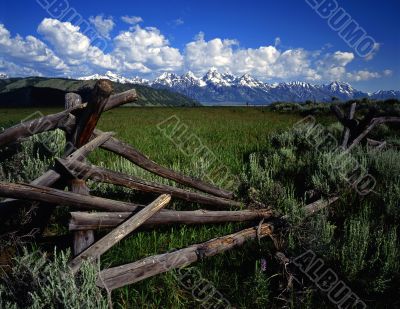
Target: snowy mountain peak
{"x":248,"y":81}
{"x":116,"y":78}
{"x":3,"y":76}
{"x":213,"y":77}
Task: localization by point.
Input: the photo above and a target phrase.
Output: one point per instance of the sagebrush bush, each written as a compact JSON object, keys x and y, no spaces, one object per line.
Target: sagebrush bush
{"x":36,"y":282}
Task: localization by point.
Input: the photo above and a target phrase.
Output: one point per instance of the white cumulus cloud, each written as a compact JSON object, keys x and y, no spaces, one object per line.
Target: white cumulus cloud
{"x":103,"y":25}
{"x":29,"y":52}
{"x":146,"y":49}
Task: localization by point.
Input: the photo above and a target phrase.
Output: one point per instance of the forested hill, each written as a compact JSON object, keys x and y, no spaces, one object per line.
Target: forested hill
{"x":49,"y":92}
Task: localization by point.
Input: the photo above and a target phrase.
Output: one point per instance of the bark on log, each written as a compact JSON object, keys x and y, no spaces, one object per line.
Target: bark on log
{"x":51,"y":176}
{"x":121,"y":99}
{"x":116,"y":235}
{"x":104,"y":220}
{"x":87,"y":120}
{"x":60,"y":197}
{"x":119,"y":276}
{"x":133,"y":155}
{"x":82,"y":239}
{"x":63,"y":120}
{"x":82,"y":170}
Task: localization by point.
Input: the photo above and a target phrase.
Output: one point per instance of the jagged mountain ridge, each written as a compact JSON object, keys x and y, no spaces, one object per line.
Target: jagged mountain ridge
{"x":216,"y":87}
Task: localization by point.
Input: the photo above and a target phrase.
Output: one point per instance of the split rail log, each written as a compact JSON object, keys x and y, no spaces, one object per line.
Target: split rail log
{"x":136,"y":157}
{"x":64,"y":120}
{"x":95,"y":173}
{"x":98,"y":248}
{"x":374,"y":122}
{"x":64,"y":198}
{"x":116,"y":277}
{"x":105,"y":220}
{"x":52,"y":176}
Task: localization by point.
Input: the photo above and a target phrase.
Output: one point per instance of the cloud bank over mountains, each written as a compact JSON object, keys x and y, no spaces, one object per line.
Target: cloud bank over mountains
{"x":61,"y":49}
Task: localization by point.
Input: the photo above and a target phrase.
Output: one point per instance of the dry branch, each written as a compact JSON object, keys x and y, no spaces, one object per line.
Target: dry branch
{"x":60,"y":197}
{"x":104,"y":220}
{"x":133,"y":155}
{"x":119,"y":276}
{"x":79,"y":169}
{"x":116,"y":235}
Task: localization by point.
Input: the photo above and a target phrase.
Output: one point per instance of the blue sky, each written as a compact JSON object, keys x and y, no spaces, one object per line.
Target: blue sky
{"x":271,"y":40}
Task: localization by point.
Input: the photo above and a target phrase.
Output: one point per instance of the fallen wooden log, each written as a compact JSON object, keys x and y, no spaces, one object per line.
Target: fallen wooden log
{"x":133,"y":155}
{"x":82,"y":170}
{"x":104,"y":220}
{"x":63,"y":120}
{"x":52,"y":176}
{"x":99,"y":247}
{"x":60,"y":197}
{"x":119,"y":276}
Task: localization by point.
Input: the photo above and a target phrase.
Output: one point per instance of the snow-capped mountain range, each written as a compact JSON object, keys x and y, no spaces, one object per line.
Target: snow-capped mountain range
{"x":216,"y":87}
{"x":3,"y":76}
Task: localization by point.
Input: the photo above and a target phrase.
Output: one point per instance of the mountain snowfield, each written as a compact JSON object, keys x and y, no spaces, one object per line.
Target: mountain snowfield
{"x":215,"y":87}
{"x":3,"y":76}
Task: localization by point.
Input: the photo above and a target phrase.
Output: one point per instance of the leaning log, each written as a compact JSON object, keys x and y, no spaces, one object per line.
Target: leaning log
{"x":119,"y":276}
{"x":81,"y":221}
{"x":133,"y":155}
{"x":87,"y":120}
{"x":64,"y":198}
{"x":99,"y":247}
{"x":374,"y":122}
{"x":82,"y":170}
